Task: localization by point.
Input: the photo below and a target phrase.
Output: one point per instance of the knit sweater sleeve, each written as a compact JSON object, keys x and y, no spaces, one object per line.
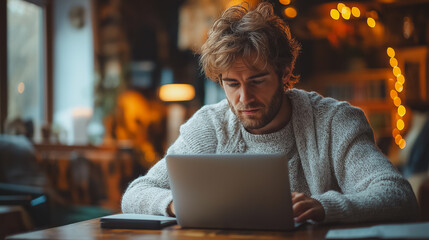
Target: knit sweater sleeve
{"x":151,"y":194}
{"x":371,"y":187}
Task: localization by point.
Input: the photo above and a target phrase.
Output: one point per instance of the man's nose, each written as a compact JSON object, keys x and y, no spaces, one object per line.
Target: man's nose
{"x":246,"y":95}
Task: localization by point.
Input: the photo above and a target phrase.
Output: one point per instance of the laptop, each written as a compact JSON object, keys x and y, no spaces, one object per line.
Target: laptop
{"x":231,"y":191}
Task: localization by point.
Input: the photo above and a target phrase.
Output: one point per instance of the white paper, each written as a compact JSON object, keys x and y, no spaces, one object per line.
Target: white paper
{"x":388,"y":231}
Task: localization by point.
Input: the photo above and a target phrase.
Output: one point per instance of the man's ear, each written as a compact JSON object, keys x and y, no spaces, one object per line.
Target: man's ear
{"x":286,"y":76}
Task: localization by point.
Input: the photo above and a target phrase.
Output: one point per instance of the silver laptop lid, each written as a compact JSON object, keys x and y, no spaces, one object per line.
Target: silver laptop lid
{"x":233,"y":191}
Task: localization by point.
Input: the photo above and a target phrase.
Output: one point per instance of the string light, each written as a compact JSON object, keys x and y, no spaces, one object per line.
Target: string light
{"x":397,"y":101}
{"x":393,"y":62}
{"x":395,"y":132}
{"x":355,"y":12}
{"x":284,"y":2}
{"x":345,"y":13}
{"x":335,"y":14}
{"x":340,"y":6}
{"x":396,"y":71}
{"x":402,"y":143}
{"x":371,"y":22}
{"x":401,"y":79}
{"x":394,"y":94}
{"x":400,"y":124}
{"x":398,"y":138}
{"x":401,"y":110}
{"x":390,"y":52}
{"x":290,"y":12}
{"x":399,"y":87}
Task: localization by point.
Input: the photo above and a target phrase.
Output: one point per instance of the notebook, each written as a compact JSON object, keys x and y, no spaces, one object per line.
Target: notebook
{"x":136,"y":221}
{"x":231,"y":191}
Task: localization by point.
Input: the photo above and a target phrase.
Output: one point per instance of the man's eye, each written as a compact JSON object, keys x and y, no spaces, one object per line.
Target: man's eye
{"x":232,"y":84}
{"x":256,"y":82}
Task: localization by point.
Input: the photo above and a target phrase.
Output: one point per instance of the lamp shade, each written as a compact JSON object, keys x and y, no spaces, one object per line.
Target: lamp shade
{"x":176,"y":92}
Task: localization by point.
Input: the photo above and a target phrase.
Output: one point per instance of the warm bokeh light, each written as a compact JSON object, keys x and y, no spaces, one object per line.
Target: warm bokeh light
{"x":373,"y":14}
{"x":402,"y":144}
{"x":335,"y":14}
{"x":390,"y":52}
{"x":393,"y":62}
{"x":291,"y":12}
{"x":401,"y":110}
{"x":345,"y":13}
{"x":371,"y":22}
{"x":233,"y":3}
{"x":397,"y":101}
{"x":393,"y":94}
{"x":284,"y":2}
{"x":398,"y":138}
{"x":340,"y":6}
{"x":395,"y":132}
{"x":355,"y":12}
{"x":176,"y":92}
{"x":401,"y":79}
{"x":396,"y":71}
{"x":399,"y":87}
{"x":400,"y":124}
{"x":21,"y":87}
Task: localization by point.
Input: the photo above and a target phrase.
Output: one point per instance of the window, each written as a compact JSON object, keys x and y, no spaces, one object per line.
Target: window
{"x":26,"y":64}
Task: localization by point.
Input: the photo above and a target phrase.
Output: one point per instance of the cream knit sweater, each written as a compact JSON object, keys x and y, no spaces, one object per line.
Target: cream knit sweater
{"x":332,"y":158}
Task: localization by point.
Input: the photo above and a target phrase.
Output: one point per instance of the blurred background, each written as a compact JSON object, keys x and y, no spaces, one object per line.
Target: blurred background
{"x":92,"y":92}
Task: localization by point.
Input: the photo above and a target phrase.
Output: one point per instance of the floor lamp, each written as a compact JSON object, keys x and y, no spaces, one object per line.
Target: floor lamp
{"x":175,"y":95}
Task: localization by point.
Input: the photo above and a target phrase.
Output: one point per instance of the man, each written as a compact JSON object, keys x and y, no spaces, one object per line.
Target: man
{"x":336,"y":171}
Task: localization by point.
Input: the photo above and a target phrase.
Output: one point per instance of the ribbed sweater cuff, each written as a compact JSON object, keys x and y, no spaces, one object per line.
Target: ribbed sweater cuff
{"x":335,"y":207}
{"x":162,"y":202}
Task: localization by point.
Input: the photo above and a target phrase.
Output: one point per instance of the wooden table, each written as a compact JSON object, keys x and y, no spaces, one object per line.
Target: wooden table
{"x":91,"y":230}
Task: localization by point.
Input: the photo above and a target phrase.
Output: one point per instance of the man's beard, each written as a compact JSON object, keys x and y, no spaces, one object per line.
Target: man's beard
{"x":251,"y":122}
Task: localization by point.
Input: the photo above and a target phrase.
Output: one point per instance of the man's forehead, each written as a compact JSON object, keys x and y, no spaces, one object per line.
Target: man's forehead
{"x":241,"y":65}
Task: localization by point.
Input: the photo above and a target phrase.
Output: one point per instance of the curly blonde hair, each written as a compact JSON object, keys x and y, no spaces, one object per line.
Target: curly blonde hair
{"x":258,"y":36}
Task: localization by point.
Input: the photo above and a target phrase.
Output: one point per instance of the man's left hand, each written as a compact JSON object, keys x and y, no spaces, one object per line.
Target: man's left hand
{"x":306,"y":208}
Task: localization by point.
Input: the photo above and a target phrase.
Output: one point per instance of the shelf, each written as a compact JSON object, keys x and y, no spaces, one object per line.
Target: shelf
{"x":368,"y":89}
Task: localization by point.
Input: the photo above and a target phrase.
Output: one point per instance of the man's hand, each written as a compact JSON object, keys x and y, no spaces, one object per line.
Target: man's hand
{"x":305,"y":208}
{"x":170,"y":210}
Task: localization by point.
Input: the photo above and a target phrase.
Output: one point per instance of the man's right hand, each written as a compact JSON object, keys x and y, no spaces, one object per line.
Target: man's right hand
{"x":305,"y":208}
{"x":170,"y":210}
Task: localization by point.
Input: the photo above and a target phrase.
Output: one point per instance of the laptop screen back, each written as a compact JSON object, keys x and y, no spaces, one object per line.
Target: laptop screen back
{"x":233,"y":191}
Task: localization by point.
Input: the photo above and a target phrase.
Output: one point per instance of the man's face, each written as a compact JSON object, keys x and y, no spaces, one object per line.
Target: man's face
{"x":255,"y":96}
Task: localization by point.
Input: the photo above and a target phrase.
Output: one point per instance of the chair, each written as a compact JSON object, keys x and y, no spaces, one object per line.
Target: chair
{"x":32,"y":199}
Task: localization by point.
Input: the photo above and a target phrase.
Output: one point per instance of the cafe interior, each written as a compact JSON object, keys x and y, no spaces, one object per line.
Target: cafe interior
{"x":92,"y":92}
